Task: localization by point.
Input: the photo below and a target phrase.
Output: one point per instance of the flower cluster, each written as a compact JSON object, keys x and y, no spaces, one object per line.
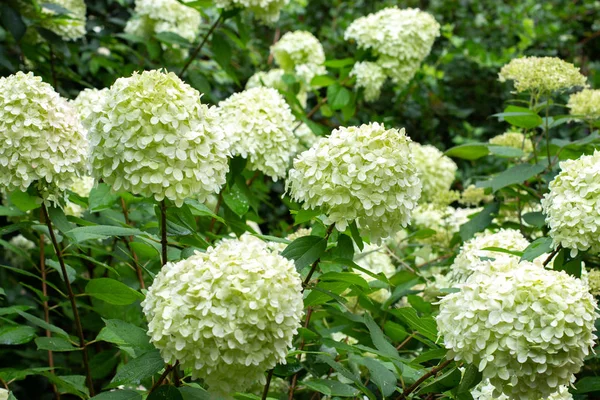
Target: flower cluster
{"x":541,"y":74}
{"x":400,"y":39}
{"x":469,"y":259}
{"x":376,"y":260}
{"x":486,"y":391}
{"x":228,"y":315}
{"x":363,"y":173}
{"x":593,"y":279}
{"x":71,"y":28}
{"x":88,"y":100}
{"x":516,"y":140}
{"x":445,"y":220}
{"x":153,"y":137}
{"x":585,"y":104}
{"x":300,"y":52}
{"x":306,"y":137}
{"x":527,"y":329}
{"x":369,"y":76}
{"x":259,"y":123}
{"x":82,"y":187}
{"x":274,"y":79}
{"x":23,"y":246}
{"x":472,"y":196}
{"x":436,"y":171}
{"x":42,"y":139}
{"x":571,"y":206}
{"x":266,"y":11}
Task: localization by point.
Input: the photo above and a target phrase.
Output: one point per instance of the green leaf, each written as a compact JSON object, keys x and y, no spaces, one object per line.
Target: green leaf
{"x":537,"y":248}
{"x":331,"y":388}
{"x":469,"y":151}
{"x":54,"y":344}
{"x":425,"y":325}
{"x":479,"y":222}
{"x":321,"y":81}
{"x":536,"y":219}
{"x":587,"y":384}
{"x":165,"y":392}
{"x":471,"y":377}
{"x":112,"y":291}
{"x":505,"y":151}
{"x":16,"y":334}
{"x":128,"y":337}
{"x":306,"y":215}
{"x":84,"y":233}
{"x":194,"y":393}
{"x":305,"y":250}
{"x":379,"y":339}
{"x":101,"y":197}
{"x":12,"y":21}
{"x":172,"y":38}
{"x":24,"y":201}
{"x":356,"y":236}
{"x":137,"y":369}
{"x":348,"y":277}
{"x":42,"y":324}
{"x":118,"y":395}
{"x":517,"y":174}
{"x":10,"y":212}
{"x":341,"y":63}
{"x":344,"y":248}
{"x":338,"y":96}
{"x":237,"y":200}
{"x":383,"y":377}
{"x":520,"y":117}
{"x":71,"y":272}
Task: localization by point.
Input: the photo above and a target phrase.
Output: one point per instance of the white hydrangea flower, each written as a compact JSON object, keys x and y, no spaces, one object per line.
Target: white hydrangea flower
{"x":22,"y":243}
{"x":156,"y":16}
{"x":436,"y":171}
{"x":571,"y":206}
{"x":153,"y":137}
{"x":399,"y":71}
{"x":485,"y":391}
{"x":300,"y":52}
{"x":472,"y":196}
{"x":445,"y":220}
{"x":527,"y":329}
{"x":274,"y":79}
{"x":593,"y":280}
{"x":4,"y":394}
{"x":259,"y":125}
{"x":585,"y":104}
{"x":71,"y":28}
{"x":306,"y":137}
{"x":363,"y":173}
{"x":513,"y":139}
{"x":299,"y":233}
{"x":88,"y":101}
{"x":541,"y":74}
{"x":377,"y":260}
{"x":82,"y":186}
{"x":42,"y":139}
{"x":228,"y":315}
{"x":266,"y":11}
{"x":469,"y":258}
{"x":369,"y":76}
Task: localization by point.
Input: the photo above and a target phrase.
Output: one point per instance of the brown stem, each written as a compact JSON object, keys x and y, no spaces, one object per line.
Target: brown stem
{"x":314,"y":265}
{"x":408,"y":339}
{"x":163,"y":231}
{"x":160,"y":380}
{"x":554,"y":253}
{"x":434,"y":371}
{"x":311,"y":112}
{"x":61,"y":261}
{"x":128,"y":240}
{"x":200,"y":45}
{"x":275,"y":40}
{"x":266,"y":389}
{"x":250,"y":181}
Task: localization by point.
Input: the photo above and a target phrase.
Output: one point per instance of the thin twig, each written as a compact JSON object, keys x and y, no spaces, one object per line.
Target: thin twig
{"x":199,"y":47}
{"x":266,"y":389}
{"x":408,"y":339}
{"x":554,"y":253}
{"x":163,"y":231}
{"x":61,"y":261}
{"x":314,"y":265}
{"x":434,"y":371}
{"x":160,"y":380}
{"x":128,"y":240}
{"x":311,"y":112}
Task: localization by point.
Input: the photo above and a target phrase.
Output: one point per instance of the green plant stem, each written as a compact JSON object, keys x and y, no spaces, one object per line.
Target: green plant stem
{"x":266,"y":389}
{"x":200,"y":46}
{"x":128,"y":240}
{"x":163,"y":231}
{"x":434,"y":371}
{"x":61,"y":261}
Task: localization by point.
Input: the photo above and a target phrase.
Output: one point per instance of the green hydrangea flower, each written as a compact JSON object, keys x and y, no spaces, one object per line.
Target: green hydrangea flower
{"x":436,"y":171}
{"x":369,"y":76}
{"x":266,"y":11}
{"x":301,"y":53}
{"x":585,"y":104}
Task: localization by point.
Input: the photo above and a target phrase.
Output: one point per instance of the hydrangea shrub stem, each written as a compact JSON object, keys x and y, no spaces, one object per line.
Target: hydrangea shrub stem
{"x":196,"y":51}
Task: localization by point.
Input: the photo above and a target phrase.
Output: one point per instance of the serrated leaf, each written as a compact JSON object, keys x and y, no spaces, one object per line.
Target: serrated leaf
{"x":112,"y":291}
{"x":118,"y":395}
{"x":12,"y":335}
{"x":338,"y":96}
{"x":517,"y":174}
{"x":520,"y":117}
{"x":479,"y":222}
{"x":101,"y":197}
{"x":380,"y":375}
{"x":349,"y":278}
{"x":165,"y":392}
{"x":128,"y":337}
{"x":331,"y":387}
{"x":138,"y":369}
{"x":379,"y":339}
{"x":54,"y":344}
{"x":305,"y":250}
{"x":537,"y":248}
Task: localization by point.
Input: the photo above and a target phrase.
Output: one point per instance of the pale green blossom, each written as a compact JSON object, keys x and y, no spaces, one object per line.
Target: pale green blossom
{"x":70,"y":26}
{"x":436,"y":171}
{"x":369,"y":76}
{"x":157,"y":16}
{"x":274,"y":79}
{"x":266,"y":11}
{"x":23,"y":246}
{"x":485,"y":391}
{"x":301,"y":53}
{"x":473,"y":196}
{"x":445,"y":220}
{"x":87,"y":101}
{"x":585,"y":104}
{"x":516,"y":140}
{"x":593,"y":279}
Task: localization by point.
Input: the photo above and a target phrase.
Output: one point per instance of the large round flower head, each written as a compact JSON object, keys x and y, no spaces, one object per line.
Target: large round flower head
{"x":437,"y":171}
{"x":153,"y":137}
{"x":266,"y":11}
{"x":469,"y":259}
{"x":369,"y":76}
{"x":274,"y":79}
{"x":541,"y":74}
{"x":41,"y":138}
{"x":571,"y":206}
{"x":88,"y":100}
{"x":363,"y":173}
{"x":300,"y":52}
{"x":156,"y":16}
{"x":70,"y":28}
{"x":513,"y":139}
{"x":259,"y":126}
{"x":585,"y":104}
{"x":527,"y":329}
{"x":228,"y":315}
{"x":486,"y":391}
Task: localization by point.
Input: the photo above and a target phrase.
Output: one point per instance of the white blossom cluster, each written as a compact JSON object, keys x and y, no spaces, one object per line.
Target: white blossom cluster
{"x":363,"y":173}
{"x":153,"y":137}
{"x":259,"y":126}
{"x":516,"y":140}
{"x":16,"y":259}
{"x":486,"y":391}
{"x":593,"y":280}
{"x":87,"y":101}
{"x":301,"y":53}
{"x":527,"y":329}
{"x":371,"y":77}
{"x":81,"y":186}
{"x":473,"y":196}
{"x":399,"y":38}
{"x":376,"y":260}
{"x":585,"y":104}
{"x":42,"y":139}
{"x":541,"y":74}
{"x":445,"y":220}
{"x":68,"y":27}
{"x":274,"y":79}
{"x":266,"y":11}
{"x":436,"y":171}
{"x":228,"y":314}
{"x":571,"y":205}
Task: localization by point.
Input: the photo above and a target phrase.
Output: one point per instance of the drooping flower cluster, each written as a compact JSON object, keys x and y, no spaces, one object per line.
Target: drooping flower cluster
{"x":259,"y":124}
{"x":473,"y":196}
{"x":70,"y":27}
{"x":363,"y":173}
{"x":88,"y":100}
{"x":400,"y":39}
{"x":228,"y":315}
{"x":42,"y":139}
{"x":472,"y":258}
{"x":445,"y":220}
{"x":486,"y":391}
{"x":153,"y":137}
{"x":516,"y":140}
{"x":274,"y":79}
{"x":527,"y":329}
{"x":436,"y":171}
{"x":585,"y":104}
{"x":266,"y":11}
{"x":571,"y":206}
{"x":301,"y":53}
{"x":369,"y":76}
{"x":541,"y":74}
